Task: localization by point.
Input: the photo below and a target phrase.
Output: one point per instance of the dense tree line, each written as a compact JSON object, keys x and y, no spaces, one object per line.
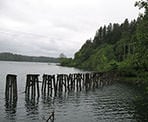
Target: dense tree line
{"x":122,"y":48}
{"x":116,"y":46}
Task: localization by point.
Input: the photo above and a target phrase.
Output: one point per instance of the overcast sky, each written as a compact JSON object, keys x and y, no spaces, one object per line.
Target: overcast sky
{"x":51,"y":27}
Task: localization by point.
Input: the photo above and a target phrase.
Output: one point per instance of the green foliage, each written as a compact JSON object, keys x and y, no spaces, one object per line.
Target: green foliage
{"x":66,"y":61}
{"x":123,"y":48}
{"x":84,"y":53}
{"x":142,"y":43}
{"x":120,"y":47}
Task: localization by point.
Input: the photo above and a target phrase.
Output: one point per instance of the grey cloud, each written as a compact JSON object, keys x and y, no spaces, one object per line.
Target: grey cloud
{"x":51,"y":27}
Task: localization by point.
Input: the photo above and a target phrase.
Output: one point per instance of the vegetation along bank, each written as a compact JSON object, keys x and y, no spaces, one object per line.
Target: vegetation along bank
{"x":119,"y":47}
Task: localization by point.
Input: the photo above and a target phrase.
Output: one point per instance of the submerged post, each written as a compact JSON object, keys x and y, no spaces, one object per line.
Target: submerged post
{"x":51,"y":117}
{"x":11,"y":88}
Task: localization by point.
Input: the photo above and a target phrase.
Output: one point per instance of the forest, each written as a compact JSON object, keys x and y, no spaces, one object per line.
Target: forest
{"x":120,"y":47}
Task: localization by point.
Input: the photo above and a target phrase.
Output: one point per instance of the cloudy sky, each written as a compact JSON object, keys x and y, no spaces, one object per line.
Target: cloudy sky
{"x":51,"y":27}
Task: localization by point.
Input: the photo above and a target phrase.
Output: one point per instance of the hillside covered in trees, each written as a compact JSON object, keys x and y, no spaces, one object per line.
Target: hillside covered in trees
{"x":122,"y":47}
{"x":16,"y":57}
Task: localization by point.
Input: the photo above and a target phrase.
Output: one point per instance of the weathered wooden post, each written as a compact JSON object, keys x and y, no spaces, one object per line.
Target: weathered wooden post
{"x":71,"y":76}
{"x":90,"y":80}
{"x":43,"y":89}
{"x":32,"y":83}
{"x":65,"y":78}
{"x":101,"y":79}
{"x":94,"y":75}
{"x":55,"y":85}
{"x":97,"y":79}
{"x":74,"y":82}
{"x":87,"y":78}
{"x":83,"y":80}
{"x":68,"y":81}
{"x":60,"y":82}
{"x":11,"y":88}
{"x":47,"y":84}
{"x":50,"y":83}
{"x":51,"y":117}
{"x":78,"y":81}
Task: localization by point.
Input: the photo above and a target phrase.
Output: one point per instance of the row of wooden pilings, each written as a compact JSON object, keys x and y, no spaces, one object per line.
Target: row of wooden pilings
{"x":53,"y":84}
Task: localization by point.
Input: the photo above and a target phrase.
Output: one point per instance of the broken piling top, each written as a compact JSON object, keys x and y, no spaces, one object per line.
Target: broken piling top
{"x":48,"y":77}
{"x":11,"y":75}
{"x":33,"y":75}
{"x":11,"y":87}
{"x":11,"y":78}
{"x":33,"y":78}
{"x":45,"y":75}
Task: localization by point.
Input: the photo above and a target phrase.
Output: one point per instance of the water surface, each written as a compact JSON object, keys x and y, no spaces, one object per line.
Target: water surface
{"x":112,"y":103}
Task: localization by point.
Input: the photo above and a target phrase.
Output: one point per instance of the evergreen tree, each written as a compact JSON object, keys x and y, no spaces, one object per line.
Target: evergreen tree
{"x":142,"y":37}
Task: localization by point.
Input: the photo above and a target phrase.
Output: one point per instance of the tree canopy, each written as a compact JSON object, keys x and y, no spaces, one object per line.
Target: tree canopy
{"x":117,"y":46}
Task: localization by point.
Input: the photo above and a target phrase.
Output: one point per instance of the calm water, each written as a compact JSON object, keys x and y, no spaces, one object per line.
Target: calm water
{"x":108,"y":104}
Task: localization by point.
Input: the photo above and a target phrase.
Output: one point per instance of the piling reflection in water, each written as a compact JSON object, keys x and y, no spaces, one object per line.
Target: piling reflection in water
{"x":32,"y":106}
{"x":10,"y":109}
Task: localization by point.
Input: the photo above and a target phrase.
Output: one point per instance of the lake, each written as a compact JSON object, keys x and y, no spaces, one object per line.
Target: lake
{"x":113,"y":103}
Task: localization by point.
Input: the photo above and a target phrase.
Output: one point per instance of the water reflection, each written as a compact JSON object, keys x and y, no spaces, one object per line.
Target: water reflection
{"x":141,"y":108}
{"x":32,"y":106}
{"x":114,"y":104}
{"x":48,"y":101}
{"x":10,"y":109}
{"x":48,"y":108}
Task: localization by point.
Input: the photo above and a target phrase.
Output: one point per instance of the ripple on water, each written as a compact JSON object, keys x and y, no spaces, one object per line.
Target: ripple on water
{"x":108,"y":104}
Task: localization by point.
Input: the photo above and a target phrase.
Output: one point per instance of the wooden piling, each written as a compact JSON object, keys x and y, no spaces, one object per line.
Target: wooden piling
{"x":32,"y":86}
{"x":55,"y":85}
{"x":48,"y":84}
{"x":11,"y":88}
{"x":65,"y":79}
{"x":58,"y":83}
{"x":68,"y":82}
{"x":43,"y":89}
{"x":51,"y":117}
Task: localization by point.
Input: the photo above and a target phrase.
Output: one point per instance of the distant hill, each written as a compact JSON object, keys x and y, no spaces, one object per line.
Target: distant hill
{"x":16,"y":57}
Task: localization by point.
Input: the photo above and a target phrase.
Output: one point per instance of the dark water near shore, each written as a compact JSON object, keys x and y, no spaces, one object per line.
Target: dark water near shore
{"x":112,"y":103}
